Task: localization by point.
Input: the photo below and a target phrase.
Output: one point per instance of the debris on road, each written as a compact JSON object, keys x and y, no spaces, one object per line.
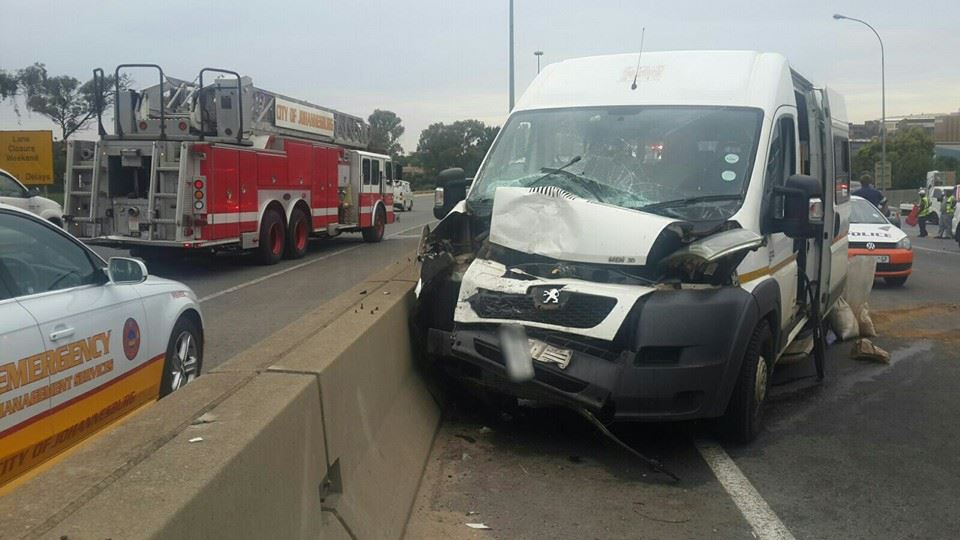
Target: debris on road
{"x":864,"y":349}
{"x":196,"y":440}
{"x":843,"y":322}
{"x":652,"y":463}
{"x":865,"y":322}
{"x":481,"y":526}
{"x":205,"y":418}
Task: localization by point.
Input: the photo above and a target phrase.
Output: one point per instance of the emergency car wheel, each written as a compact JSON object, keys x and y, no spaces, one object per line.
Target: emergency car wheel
{"x":272,"y":238}
{"x":410,"y":206}
{"x":375,"y":233}
{"x":298,"y":235}
{"x":184,"y":356}
{"x":744,"y":416}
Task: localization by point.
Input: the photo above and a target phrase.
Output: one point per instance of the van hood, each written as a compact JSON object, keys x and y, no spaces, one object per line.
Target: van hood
{"x":551,"y":222}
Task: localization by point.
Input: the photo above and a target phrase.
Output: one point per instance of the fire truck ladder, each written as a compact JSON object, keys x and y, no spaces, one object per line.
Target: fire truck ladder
{"x":166,"y":168}
{"x":84,"y":169}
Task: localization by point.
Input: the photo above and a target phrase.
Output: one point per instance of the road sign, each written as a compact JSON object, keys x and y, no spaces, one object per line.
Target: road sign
{"x":28,"y":155}
{"x":883,"y":178}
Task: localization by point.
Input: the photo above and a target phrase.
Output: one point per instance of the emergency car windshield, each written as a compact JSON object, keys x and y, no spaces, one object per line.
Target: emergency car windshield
{"x":862,"y":211}
{"x":686,"y":162}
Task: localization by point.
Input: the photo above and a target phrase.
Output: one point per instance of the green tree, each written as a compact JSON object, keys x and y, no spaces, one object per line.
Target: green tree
{"x":8,"y":84}
{"x":62,"y":98}
{"x":910,"y":153}
{"x":460,"y":144}
{"x":385,"y":130}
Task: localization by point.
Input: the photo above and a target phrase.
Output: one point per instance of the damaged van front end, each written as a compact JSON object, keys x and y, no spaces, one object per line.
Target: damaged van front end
{"x":627,"y":314}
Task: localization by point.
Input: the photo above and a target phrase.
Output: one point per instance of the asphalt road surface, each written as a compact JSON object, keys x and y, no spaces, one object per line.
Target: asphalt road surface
{"x":871,"y":452}
{"x":244,"y":302}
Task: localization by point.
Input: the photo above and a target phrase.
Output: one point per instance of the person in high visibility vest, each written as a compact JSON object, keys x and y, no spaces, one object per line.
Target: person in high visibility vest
{"x":923,"y":206}
{"x":947,"y":205}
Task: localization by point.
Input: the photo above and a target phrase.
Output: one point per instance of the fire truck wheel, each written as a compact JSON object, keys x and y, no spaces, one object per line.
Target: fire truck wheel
{"x":375,"y":233}
{"x":298,"y":235}
{"x":272,"y":238}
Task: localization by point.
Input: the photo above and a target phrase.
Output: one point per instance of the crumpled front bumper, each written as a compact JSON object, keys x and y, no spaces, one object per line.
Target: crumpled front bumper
{"x":686,"y":354}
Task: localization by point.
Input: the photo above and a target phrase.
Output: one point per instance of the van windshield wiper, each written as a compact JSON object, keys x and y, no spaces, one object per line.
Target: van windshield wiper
{"x":688,"y":201}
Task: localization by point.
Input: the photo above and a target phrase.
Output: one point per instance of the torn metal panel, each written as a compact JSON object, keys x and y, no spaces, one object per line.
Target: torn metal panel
{"x":530,"y":300}
{"x":712,"y":259}
{"x":555,"y":224}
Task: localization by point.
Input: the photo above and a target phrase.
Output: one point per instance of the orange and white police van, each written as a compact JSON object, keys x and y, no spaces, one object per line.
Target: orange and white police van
{"x":872,"y":235}
{"x":221,"y":165}
{"x":83,"y":342}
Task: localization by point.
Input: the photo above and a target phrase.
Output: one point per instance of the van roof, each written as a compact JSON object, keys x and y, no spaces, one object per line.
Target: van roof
{"x":712,"y":78}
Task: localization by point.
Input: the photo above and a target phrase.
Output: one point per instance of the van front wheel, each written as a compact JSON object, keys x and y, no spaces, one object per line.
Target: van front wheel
{"x":744,"y":416}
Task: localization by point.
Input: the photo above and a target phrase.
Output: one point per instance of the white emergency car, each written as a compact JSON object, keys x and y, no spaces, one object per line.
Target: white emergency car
{"x":402,"y":196}
{"x":82,"y":342}
{"x":14,"y":193}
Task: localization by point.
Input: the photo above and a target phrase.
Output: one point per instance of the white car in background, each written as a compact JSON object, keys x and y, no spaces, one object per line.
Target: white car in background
{"x":14,"y":193}
{"x":402,"y":196}
{"x":84,"y":342}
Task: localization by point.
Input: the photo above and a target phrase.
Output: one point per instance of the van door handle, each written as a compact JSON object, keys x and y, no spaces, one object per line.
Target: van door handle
{"x":61,"y":333}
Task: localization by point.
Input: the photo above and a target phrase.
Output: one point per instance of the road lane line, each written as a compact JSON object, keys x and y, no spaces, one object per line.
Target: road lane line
{"x":261,"y":279}
{"x":936,"y":250}
{"x":765,"y":523}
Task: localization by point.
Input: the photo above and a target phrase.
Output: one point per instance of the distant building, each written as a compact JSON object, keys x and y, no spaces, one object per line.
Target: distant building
{"x":923,"y":121}
{"x":864,"y":131}
{"x":946,"y":128}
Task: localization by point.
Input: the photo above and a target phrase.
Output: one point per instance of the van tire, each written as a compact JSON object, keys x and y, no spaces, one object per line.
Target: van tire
{"x":272,"y":238}
{"x":298,"y":235}
{"x":744,"y":416}
{"x":172,"y":363}
{"x":375,"y":233}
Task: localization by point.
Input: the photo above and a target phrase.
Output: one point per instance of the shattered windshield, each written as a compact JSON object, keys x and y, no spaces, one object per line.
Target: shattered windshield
{"x":686,"y":162}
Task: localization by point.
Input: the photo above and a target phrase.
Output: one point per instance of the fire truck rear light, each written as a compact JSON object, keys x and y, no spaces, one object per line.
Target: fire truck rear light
{"x":198,"y":194}
{"x":142,"y":125}
{"x":198,"y":184}
{"x":200,"y":220}
{"x":198,"y":205}
{"x":182,"y":125}
{"x":188,"y":231}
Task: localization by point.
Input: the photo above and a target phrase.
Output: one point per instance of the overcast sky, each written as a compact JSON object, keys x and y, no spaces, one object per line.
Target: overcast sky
{"x":445,"y":60}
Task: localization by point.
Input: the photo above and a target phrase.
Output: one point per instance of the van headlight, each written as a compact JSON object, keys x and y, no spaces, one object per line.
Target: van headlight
{"x":904,"y":243}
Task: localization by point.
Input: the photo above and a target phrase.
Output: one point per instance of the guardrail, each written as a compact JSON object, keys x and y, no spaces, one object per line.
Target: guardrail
{"x":321,"y":430}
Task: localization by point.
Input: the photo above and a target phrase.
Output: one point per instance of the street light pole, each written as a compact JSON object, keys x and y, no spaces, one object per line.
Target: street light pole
{"x":883,"y":97}
{"x":538,"y":54}
{"x":511,"y":55}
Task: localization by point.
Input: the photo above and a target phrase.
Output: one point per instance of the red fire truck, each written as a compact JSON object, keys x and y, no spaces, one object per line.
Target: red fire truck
{"x":221,"y":165}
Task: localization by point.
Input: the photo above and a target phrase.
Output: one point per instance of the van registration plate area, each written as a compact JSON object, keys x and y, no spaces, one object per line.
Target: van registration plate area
{"x":883,"y":258}
{"x":548,"y":354}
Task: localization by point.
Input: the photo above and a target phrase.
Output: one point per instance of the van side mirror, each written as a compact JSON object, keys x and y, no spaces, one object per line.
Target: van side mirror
{"x":33,"y":192}
{"x":123,"y":270}
{"x":797,"y":208}
{"x":451,"y":189}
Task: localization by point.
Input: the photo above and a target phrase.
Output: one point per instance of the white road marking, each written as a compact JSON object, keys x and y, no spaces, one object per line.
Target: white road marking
{"x":937,"y":250}
{"x":765,"y":523}
{"x":261,"y":279}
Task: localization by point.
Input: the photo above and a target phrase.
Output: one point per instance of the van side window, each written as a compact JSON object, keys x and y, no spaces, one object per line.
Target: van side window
{"x":781,"y":161}
{"x":366,"y":172}
{"x":841,"y":165}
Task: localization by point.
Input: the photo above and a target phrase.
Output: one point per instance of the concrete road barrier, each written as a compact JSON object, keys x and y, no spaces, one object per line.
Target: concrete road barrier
{"x":321,"y":430}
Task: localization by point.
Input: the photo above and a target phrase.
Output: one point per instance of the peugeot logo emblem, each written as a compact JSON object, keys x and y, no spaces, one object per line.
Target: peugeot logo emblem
{"x":551,"y":296}
{"x":871,"y":246}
